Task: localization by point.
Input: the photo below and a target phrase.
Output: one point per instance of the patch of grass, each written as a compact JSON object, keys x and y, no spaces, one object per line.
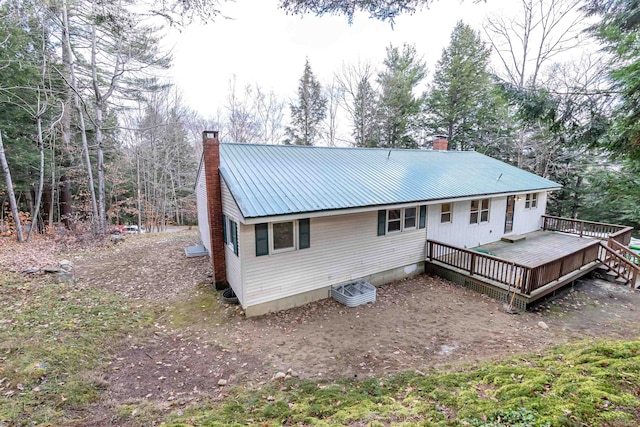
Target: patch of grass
{"x":580,"y":384}
{"x":203,"y":307}
{"x":53,"y":337}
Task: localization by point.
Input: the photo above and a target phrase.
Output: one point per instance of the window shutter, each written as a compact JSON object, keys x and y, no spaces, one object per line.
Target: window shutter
{"x":234,"y":234}
{"x":304,"y":232}
{"x":423,"y":216}
{"x":382,"y":222}
{"x":262,"y":239}
{"x":224,"y":229}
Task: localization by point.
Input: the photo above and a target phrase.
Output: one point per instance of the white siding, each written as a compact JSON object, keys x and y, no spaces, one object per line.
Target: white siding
{"x":528,"y":220}
{"x":233,"y":261}
{"x":343,"y":248}
{"x":460,"y":233}
{"x":229,"y":205}
{"x":203,"y":216}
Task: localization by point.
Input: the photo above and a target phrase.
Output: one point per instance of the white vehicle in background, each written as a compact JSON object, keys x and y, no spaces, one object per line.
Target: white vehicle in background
{"x":131,"y":229}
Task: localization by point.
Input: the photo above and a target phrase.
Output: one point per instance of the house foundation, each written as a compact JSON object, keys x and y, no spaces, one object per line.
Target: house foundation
{"x":376,"y":279}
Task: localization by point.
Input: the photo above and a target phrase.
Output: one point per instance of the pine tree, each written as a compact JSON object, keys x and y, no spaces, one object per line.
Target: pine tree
{"x":399,"y":107}
{"x":461,"y":99}
{"x":365,"y":114}
{"x":308,"y":113}
{"x":618,"y":31}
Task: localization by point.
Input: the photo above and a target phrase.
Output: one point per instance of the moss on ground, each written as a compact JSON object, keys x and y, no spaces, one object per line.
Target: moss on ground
{"x":54,"y":339}
{"x":202,"y":307}
{"x":595,"y":384}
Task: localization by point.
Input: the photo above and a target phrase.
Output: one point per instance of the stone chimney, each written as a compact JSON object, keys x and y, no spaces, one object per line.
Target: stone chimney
{"x":441,"y":143}
{"x":211,"y":153}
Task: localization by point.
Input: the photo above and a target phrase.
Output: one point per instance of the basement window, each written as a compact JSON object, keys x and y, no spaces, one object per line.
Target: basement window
{"x":531,"y":201}
{"x":479,"y":211}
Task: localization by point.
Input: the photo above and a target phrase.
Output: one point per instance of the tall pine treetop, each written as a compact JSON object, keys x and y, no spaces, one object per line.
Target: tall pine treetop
{"x":309,"y":110}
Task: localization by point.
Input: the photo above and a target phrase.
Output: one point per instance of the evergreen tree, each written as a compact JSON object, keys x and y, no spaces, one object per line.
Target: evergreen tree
{"x":399,"y":108}
{"x":365,"y":113}
{"x":618,"y":30}
{"x":460,"y":104}
{"x":308,"y":113}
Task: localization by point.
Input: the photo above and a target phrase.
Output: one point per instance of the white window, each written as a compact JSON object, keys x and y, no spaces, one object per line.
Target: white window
{"x":409,"y":222}
{"x":283,"y":236}
{"x":230,"y":233}
{"x":402,"y":219}
{"x":229,"y":230}
{"x":394,"y":220}
{"x":479,"y":211}
{"x":531,"y":201}
{"x":445,"y":212}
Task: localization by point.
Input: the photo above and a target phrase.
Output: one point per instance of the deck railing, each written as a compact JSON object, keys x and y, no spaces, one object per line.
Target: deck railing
{"x":545,"y":273}
{"x":525,"y":279}
{"x":599,"y":230}
{"x":620,"y":260}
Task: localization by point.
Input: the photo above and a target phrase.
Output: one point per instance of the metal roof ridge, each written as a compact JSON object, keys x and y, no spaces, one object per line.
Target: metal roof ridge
{"x":294,"y":146}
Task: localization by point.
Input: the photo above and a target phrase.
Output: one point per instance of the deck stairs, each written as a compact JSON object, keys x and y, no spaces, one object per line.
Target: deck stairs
{"x":619,"y":264}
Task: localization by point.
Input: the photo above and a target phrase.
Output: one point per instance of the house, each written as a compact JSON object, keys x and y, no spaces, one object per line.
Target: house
{"x":283,"y":224}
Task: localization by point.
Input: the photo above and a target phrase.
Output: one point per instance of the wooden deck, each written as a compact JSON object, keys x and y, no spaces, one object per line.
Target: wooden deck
{"x":539,"y":247}
{"x":544,"y":261}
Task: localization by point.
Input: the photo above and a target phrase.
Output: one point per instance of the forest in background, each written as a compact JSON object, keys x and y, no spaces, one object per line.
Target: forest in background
{"x":94,"y":135}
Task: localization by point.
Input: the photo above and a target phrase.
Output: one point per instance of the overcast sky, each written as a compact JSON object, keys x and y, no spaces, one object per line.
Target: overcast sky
{"x":261,"y":44}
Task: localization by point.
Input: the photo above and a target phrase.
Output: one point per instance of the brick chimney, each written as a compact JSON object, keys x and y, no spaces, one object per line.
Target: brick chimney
{"x":211,"y":153}
{"x":441,"y":143}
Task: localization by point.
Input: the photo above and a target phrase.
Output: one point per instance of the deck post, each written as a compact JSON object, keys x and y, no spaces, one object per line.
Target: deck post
{"x":473,"y":264}
{"x":581,"y":228}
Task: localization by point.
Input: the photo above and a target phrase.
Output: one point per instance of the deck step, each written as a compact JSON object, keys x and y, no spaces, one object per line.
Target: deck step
{"x":621,"y":281}
{"x":512,"y":238}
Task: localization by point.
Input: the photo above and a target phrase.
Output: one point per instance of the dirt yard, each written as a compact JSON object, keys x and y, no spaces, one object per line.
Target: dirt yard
{"x":419,"y":324}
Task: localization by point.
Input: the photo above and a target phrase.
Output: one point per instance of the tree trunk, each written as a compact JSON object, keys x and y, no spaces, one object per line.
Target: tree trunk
{"x":139,"y":198}
{"x":36,"y":211}
{"x":576,"y":198}
{"x":78,"y":106}
{"x":101,"y":185}
{"x":12,"y":195}
{"x":47,"y":206}
{"x":66,"y":201}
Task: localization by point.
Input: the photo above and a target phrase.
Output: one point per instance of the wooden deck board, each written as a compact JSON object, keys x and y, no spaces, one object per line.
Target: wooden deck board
{"x":538,"y":247}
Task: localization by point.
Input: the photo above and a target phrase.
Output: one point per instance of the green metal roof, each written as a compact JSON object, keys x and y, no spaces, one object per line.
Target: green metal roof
{"x":271,"y":180}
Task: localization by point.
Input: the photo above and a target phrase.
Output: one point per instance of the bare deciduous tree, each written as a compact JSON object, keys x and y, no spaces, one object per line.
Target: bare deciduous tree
{"x":358,"y":99}
{"x":525,"y":44}
{"x":269,"y":110}
{"x":12,"y":195}
{"x":333,"y":94}
{"x":242,"y":125}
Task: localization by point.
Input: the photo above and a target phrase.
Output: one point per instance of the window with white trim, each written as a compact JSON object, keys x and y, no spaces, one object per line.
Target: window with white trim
{"x":445,"y":212}
{"x":479,"y":211}
{"x":404,"y":219}
{"x":231,"y":234}
{"x":283,"y":236}
{"x":409,"y":218}
{"x":394,"y":220}
{"x":531,"y":201}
